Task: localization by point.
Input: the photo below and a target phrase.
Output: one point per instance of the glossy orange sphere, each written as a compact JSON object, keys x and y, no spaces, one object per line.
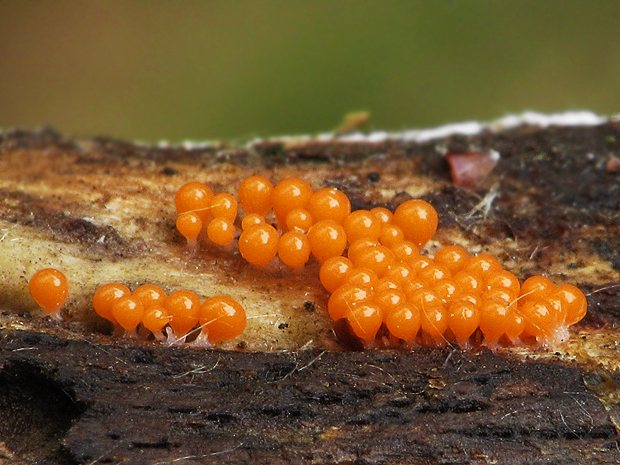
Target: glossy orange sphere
{"x":222,"y":317}
{"x":221,"y":231}
{"x":255,"y":195}
{"x":365,"y":320}
{"x":404,"y":321}
{"x":50,"y":288}
{"x":454,"y":257}
{"x":194,"y":197}
{"x":224,"y":205}
{"x":128,"y":312}
{"x":329,"y":204}
{"x":294,"y":249}
{"x":334,"y":271}
{"x":327,"y":239}
{"x":189,"y":224}
{"x":105,"y":296}
{"x":418,"y":220}
{"x":362,"y":224}
{"x":183,"y":307}
{"x":288,"y":195}
{"x":149,"y":295}
{"x":345,"y":298}
{"x":259,"y":244}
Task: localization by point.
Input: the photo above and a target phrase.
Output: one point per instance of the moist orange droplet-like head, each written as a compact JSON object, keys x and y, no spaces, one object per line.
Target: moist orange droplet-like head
{"x":385,"y":284}
{"x":391,"y":235}
{"x":504,"y":279}
{"x":189,"y":224}
{"x":327,"y":239}
{"x":447,"y":289}
{"x":259,"y":244}
{"x":155,"y":318}
{"x":515,"y":326}
{"x":539,"y":317}
{"x":222,"y":317}
{"x":484,"y":265}
{"x":419,"y":262}
{"x":379,"y":259}
{"x":50,"y":288}
{"x":299,"y":219}
{"x":573,"y":302}
{"x":221,"y":231}
{"x":469,"y":281}
{"x":290,"y":194}
{"x":382,"y":214}
{"x":224,"y":205}
{"x":418,"y":220}
{"x":294,"y":249}
{"x":345,"y":297}
{"x":433,"y":273}
{"x":503,"y":293}
{"x":404,"y":251}
{"x":453,"y":257}
{"x":362,"y":224}
{"x":411,"y":286}
{"x":255,"y":195}
{"x":423,"y":298}
{"x":194,"y":197}
{"x":183,"y":307}
{"x":329,"y":204}
{"x":128,"y":312}
{"x":362,"y":276}
{"x":334,"y":271}
{"x":105,"y":296}
{"x":365,"y":319}
{"x":361,"y":244}
{"x":400,"y":271}
{"x":434,"y":321}
{"x":404,"y":321}
{"x":389,"y":300}
{"x":463,"y":319}
{"x":149,"y":295}
{"x":471,"y":296}
{"x":535,"y":287}
{"x":494,"y":319}
{"x":251,"y":219}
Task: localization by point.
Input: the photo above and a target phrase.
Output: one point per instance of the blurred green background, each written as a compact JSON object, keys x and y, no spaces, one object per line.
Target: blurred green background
{"x":232,"y":70}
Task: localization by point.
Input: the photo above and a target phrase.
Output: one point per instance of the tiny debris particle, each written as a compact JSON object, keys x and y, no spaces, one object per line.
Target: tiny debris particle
{"x":283,"y":326}
{"x":469,"y":169}
{"x":309,"y":306}
{"x":613,"y":165}
{"x":373,"y":177}
{"x":169,"y":171}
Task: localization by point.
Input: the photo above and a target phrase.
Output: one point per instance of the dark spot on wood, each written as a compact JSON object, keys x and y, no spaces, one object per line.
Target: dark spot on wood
{"x":309,"y":306}
{"x":373,"y":177}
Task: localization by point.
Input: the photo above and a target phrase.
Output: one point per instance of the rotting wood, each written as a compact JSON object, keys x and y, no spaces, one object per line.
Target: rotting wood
{"x":127,"y":404}
{"x":70,"y":393}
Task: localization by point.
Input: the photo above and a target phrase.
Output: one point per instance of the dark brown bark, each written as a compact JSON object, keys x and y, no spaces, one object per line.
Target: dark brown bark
{"x":89,"y":402}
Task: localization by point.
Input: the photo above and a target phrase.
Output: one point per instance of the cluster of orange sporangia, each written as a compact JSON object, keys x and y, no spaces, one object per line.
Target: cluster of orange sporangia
{"x":318,"y":223}
{"x":387,"y":292}
{"x":148,"y":310}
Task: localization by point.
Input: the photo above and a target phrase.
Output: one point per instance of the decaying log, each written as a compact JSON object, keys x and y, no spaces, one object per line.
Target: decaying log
{"x":287,"y":392}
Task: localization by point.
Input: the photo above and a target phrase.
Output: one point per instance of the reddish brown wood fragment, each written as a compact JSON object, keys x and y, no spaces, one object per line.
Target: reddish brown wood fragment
{"x":613,"y":165}
{"x":469,"y":169}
